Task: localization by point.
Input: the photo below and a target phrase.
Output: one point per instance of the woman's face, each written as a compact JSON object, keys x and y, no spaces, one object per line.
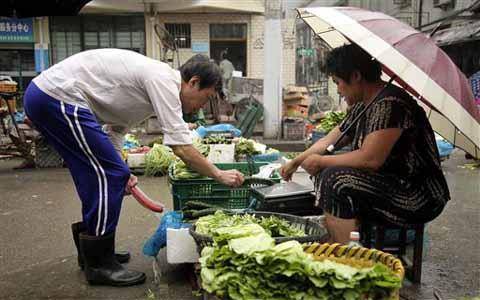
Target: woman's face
{"x":346,"y":90}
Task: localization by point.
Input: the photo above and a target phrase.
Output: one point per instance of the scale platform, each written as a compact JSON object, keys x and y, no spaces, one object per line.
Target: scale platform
{"x":290,"y":198}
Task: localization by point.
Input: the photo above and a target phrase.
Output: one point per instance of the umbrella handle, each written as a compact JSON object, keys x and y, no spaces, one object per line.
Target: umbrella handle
{"x":146,"y":201}
{"x":331,"y":148}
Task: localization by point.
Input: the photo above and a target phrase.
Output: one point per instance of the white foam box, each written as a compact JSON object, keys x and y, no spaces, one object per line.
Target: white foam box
{"x":136,"y":160}
{"x":222,"y":153}
{"x":181,"y":247}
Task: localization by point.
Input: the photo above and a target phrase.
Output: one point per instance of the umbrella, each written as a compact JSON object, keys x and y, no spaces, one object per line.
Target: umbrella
{"x":414,"y":62}
{"x":475,"y":83}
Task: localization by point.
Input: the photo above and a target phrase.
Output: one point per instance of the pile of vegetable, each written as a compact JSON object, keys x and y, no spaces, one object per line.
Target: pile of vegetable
{"x":193,"y":209}
{"x":158,"y":159}
{"x":201,"y":147}
{"x":245,"y":147}
{"x":221,"y":225}
{"x":291,"y":155}
{"x":182,"y":171}
{"x":248,"y":265}
{"x":331,"y":119}
{"x":158,"y":140}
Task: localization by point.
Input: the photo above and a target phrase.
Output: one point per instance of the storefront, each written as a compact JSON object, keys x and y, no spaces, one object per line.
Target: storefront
{"x":70,"y":35}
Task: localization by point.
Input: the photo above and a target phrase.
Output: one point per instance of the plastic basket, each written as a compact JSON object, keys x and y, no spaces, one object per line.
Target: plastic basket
{"x":209,"y":191}
{"x":321,"y":251}
{"x":8,"y":87}
{"x":314,"y":231}
{"x":293,"y":129}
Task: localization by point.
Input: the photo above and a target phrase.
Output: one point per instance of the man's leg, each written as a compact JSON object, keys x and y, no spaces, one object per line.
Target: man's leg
{"x":100,"y":177}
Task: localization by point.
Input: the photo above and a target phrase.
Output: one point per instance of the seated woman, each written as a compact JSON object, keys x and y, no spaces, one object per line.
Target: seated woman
{"x":393,"y":172}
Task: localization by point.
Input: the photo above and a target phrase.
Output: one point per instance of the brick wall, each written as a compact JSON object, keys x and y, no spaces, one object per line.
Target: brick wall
{"x":255,"y":32}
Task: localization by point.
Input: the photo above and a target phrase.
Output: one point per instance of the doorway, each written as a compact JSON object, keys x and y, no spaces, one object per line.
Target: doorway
{"x":231,"y":38}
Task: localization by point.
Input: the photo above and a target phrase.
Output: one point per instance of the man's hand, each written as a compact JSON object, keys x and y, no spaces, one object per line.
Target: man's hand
{"x":288,"y":169}
{"x":130,"y":184}
{"x":192,"y":126}
{"x":232,"y":178}
{"x":313,"y":164}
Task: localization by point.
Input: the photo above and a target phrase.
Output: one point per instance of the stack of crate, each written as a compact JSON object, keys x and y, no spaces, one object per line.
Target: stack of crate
{"x":296,"y":101}
{"x":295,"y":110}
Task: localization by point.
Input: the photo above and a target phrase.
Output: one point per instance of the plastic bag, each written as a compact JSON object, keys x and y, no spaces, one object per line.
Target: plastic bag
{"x":203,"y":131}
{"x":171,"y":219}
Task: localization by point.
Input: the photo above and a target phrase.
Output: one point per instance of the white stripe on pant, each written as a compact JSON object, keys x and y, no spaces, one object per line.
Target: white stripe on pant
{"x":102,"y":179}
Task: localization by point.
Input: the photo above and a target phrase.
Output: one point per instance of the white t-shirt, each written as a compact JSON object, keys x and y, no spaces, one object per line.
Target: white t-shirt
{"x":121,"y":88}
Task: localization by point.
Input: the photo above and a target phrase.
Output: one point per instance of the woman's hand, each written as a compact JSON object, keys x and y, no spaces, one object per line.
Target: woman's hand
{"x":313,"y":164}
{"x":288,"y":169}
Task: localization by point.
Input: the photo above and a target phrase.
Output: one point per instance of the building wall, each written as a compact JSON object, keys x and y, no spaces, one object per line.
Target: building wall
{"x":255,"y":39}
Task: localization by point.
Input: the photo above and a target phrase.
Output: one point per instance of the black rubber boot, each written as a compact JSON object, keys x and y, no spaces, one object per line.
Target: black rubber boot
{"x":79,"y":227}
{"x":101,"y":267}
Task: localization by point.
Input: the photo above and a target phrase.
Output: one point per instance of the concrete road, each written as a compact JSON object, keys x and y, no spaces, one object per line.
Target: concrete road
{"x":38,"y":257}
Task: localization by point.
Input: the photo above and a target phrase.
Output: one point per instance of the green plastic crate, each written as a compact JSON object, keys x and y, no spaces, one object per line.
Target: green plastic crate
{"x":209,"y":191}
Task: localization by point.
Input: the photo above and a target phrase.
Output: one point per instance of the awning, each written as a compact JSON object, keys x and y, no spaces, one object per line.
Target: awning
{"x":27,"y":9}
{"x":458,"y":34}
{"x":178,"y":6}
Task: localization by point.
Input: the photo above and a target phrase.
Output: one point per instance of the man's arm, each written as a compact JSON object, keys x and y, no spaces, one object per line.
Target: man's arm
{"x":197,"y":162}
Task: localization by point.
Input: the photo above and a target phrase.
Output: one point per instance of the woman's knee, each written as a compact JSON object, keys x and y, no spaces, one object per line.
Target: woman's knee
{"x":333,"y":179}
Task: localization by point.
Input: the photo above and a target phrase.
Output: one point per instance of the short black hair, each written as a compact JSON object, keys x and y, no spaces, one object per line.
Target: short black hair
{"x":201,"y":66}
{"x":345,"y":60}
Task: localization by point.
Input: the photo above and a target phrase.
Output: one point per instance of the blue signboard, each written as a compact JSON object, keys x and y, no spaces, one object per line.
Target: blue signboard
{"x":200,"y":47}
{"x":41,"y":57}
{"x":16,"y":30}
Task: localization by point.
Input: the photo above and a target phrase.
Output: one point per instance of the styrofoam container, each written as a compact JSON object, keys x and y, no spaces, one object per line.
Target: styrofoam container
{"x":136,"y":160}
{"x":181,"y":247}
{"x":222,"y":153}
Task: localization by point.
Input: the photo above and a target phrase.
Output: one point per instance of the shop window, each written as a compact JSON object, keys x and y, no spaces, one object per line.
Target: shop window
{"x":228,"y":31}
{"x":71,"y":35}
{"x":18,"y":64}
{"x":181,"y":33}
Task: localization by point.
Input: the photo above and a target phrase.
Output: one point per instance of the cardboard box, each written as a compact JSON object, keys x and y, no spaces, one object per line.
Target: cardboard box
{"x":295,"y":110}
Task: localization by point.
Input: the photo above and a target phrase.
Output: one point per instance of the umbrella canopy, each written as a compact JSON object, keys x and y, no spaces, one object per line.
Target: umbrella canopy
{"x":418,"y":65}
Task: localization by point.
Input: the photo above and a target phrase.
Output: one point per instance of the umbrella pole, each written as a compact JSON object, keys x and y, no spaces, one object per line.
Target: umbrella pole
{"x":333,"y":147}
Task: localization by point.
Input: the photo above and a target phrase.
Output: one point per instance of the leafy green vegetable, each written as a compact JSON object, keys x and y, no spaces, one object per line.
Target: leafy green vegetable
{"x":331,"y":119}
{"x":220,"y":225}
{"x":253,"y":267}
{"x":158,"y":140}
{"x":245,"y":147}
{"x":158,"y":159}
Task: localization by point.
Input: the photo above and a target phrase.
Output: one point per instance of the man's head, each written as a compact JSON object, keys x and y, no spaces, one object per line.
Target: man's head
{"x":201,"y":80}
{"x":351,"y":69}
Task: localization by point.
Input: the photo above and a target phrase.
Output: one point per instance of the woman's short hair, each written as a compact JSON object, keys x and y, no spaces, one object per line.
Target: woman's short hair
{"x":201,"y":66}
{"x":345,"y":60}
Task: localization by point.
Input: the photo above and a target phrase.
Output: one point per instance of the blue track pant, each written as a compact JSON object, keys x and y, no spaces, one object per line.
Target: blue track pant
{"x":98,"y":172}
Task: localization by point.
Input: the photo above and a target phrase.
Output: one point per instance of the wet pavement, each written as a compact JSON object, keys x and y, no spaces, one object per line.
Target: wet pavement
{"x":38,"y":257}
